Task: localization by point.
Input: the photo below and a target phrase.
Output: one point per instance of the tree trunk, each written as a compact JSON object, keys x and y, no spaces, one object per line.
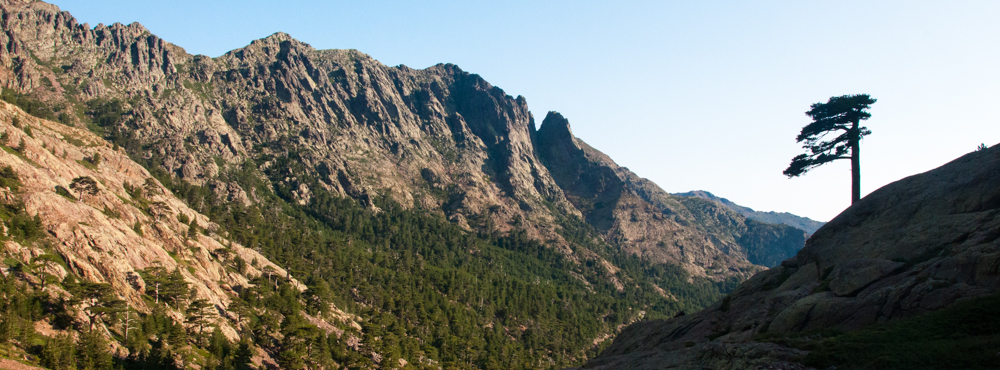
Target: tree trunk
{"x":855,"y":163}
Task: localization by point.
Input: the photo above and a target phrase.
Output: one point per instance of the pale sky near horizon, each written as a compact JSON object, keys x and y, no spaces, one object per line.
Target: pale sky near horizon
{"x":694,"y":95}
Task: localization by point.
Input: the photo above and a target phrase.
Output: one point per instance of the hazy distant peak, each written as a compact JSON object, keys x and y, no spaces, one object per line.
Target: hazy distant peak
{"x":804,"y":223}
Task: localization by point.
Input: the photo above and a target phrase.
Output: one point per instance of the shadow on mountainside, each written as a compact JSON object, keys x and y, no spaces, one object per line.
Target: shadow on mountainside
{"x":916,"y":246}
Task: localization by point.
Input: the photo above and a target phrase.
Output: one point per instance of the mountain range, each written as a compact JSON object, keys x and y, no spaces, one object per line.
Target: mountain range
{"x":803,"y":223}
{"x":319,"y":209}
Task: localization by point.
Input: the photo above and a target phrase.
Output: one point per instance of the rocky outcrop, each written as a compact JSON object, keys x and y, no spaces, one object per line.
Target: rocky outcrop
{"x":107,"y":237}
{"x":35,"y":55}
{"x":372,"y":129}
{"x":803,"y":223}
{"x":917,"y":245}
{"x":638,"y":216}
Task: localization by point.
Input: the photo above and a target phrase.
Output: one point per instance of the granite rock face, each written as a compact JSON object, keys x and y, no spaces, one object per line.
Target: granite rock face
{"x":637,"y":215}
{"x":913,"y":246}
{"x":440,"y":138}
{"x":107,"y":237}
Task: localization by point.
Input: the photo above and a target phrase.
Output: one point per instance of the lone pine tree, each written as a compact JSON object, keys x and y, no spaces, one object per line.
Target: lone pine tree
{"x":84,"y":185}
{"x":840,"y":116}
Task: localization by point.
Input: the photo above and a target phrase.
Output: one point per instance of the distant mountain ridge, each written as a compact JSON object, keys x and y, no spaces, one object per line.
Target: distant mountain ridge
{"x":804,"y":223}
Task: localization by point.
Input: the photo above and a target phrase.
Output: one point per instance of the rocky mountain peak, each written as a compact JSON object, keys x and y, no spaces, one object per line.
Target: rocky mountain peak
{"x":639,"y":216}
{"x":275,"y":45}
{"x":555,"y":128}
{"x":277,"y":38}
{"x":32,"y":3}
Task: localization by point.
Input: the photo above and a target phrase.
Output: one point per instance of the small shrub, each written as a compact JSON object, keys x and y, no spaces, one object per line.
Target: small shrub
{"x":9,"y":178}
{"x":239,"y":264}
{"x":726,"y":302}
{"x":65,"y":193}
{"x":86,"y":163}
{"x":75,"y":141}
{"x":192,"y":230}
{"x":110,"y":212}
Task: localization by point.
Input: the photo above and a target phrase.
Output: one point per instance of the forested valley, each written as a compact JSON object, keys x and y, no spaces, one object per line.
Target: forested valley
{"x":428,"y":294}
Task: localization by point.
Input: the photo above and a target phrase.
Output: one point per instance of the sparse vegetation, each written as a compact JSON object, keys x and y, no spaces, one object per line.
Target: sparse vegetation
{"x":28,"y":104}
{"x":65,"y":193}
{"x":9,"y":179}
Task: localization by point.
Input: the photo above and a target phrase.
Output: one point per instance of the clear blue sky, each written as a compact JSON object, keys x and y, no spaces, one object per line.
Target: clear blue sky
{"x":690,"y":94}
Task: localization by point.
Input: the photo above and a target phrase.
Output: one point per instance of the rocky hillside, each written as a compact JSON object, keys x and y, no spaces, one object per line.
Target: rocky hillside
{"x":123,"y":232}
{"x":107,"y":236}
{"x":425,"y":202}
{"x":915,"y":246}
{"x":119,"y":265}
{"x":438,"y":139}
{"x":803,"y":223}
{"x":638,"y":216}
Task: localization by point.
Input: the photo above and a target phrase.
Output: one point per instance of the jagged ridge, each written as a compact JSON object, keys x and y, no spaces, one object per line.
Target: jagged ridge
{"x":439,"y":138}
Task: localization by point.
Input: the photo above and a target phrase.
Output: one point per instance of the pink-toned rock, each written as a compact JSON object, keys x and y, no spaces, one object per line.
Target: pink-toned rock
{"x":95,"y":234}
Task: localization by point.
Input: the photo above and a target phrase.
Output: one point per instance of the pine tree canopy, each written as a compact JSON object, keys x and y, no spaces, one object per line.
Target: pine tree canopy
{"x":838,"y":116}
